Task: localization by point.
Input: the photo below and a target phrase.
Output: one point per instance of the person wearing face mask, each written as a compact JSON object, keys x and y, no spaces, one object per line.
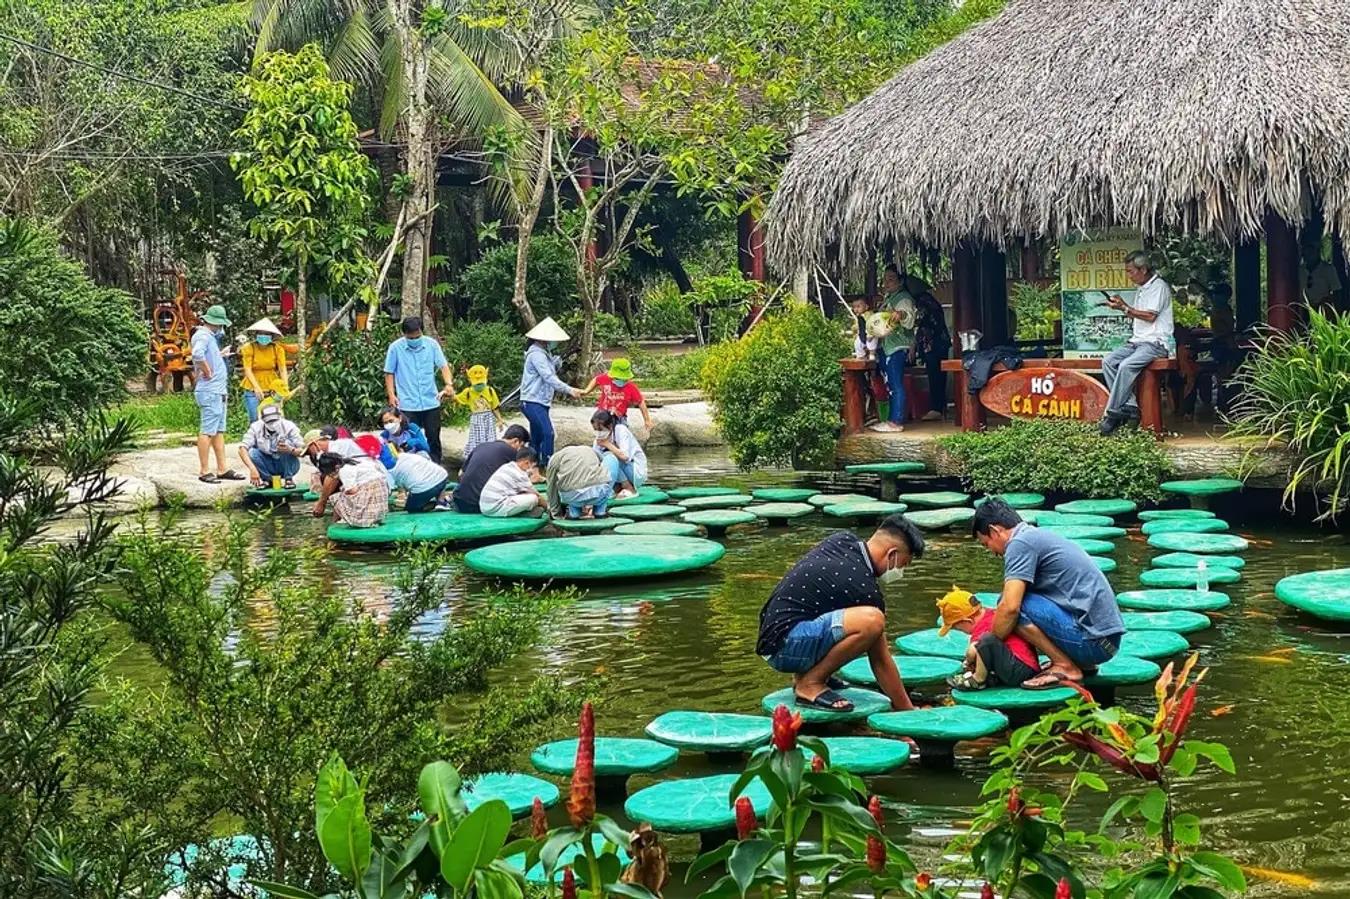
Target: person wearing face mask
{"x":620,"y":453}
{"x":539,"y":382}
{"x":272,"y":448}
{"x":410,"y":368}
{"x":619,"y":392}
{"x":263,"y":360}
{"x":398,"y":431}
{"x":829,"y":610}
{"x":485,"y":417}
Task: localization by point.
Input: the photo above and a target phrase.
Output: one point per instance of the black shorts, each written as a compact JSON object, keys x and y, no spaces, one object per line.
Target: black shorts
{"x":1004,"y":668}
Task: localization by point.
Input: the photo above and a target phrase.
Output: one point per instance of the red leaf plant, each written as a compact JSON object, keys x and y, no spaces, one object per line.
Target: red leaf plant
{"x":581,"y":801}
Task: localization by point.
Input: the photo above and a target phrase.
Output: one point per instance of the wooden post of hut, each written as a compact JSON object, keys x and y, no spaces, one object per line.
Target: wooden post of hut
{"x":965,"y":317}
{"x":750,"y":247}
{"x":1282,"y":289}
{"x":1246,"y":284}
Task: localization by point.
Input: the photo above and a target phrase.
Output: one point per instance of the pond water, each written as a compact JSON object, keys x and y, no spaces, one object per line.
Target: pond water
{"x":688,"y":643}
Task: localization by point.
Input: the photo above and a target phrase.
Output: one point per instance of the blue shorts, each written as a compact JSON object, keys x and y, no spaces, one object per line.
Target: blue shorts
{"x":213,"y":408}
{"x":807,"y":643}
{"x":1066,"y":633}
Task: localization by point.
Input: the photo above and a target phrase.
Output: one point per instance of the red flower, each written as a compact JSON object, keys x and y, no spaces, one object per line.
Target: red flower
{"x":1113,"y":756}
{"x":1062,"y":891}
{"x":785,"y":727}
{"x":538,"y":820}
{"x":1176,"y":726}
{"x":923,"y":881}
{"x":581,"y":801}
{"x":569,"y":884}
{"x":746,"y":824}
{"x":1015,"y":803}
{"x":986,"y":891}
{"x":817,"y":764}
{"x":876,"y":848}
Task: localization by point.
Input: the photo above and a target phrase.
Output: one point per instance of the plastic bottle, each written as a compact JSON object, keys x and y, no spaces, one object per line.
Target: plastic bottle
{"x":1202,"y":581}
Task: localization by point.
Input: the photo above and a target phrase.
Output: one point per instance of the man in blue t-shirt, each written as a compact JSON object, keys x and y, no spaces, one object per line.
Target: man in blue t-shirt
{"x":211,"y":388}
{"x":410,"y":368}
{"x":1054,"y":596}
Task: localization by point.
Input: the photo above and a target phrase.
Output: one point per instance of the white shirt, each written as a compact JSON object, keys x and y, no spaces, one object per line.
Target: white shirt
{"x":346,"y":448}
{"x":508,"y":480}
{"x":416,"y":474}
{"x":268,"y":439}
{"x":360,"y":473}
{"x":1154,"y":296}
{"x":628,"y":444}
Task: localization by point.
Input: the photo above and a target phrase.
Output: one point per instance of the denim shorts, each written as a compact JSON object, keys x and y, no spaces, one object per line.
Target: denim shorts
{"x":1059,"y":625}
{"x":212,"y":406}
{"x":807,"y":643}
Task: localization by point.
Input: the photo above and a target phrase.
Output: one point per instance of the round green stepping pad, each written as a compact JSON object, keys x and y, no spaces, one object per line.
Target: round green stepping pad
{"x":572,"y":857}
{"x":694,"y":805}
{"x":1201,"y":486}
{"x":915,"y":671}
{"x":1173,"y":600}
{"x":928,"y":643}
{"x":1014,"y":697}
{"x":651,"y":511}
{"x":595,"y":558}
{"x":941,"y":723}
{"x":278,"y":493}
{"x":591,"y":525}
{"x":1112,"y":507}
{"x":659,"y":528}
{"x":1187,"y":577}
{"x":1123,"y":670}
{"x":1085,"y":531}
{"x":871,"y":508}
{"x":1152,"y":644}
{"x":434,"y":527}
{"x":1192,"y":560}
{"x":679,"y":493}
{"x":989,"y":600}
{"x":938,"y":499}
{"x":886,"y":468}
{"x":865,"y":756}
{"x":718,"y":519}
{"x":1324,"y":594}
{"x":1016,"y":500}
{"x":1185,"y":526}
{"x":939,"y":519}
{"x":821,"y":500}
{"x":1103,"y":564}
{"x":865,"y":702}
{"x":721,"y":501}
{"x":311,"y":496}
{"x":782,"y":494}
{"x":1074,"y":518}
{"x":614,"y":756}
{"x":516,"y":790}
{"x":1174,"y":514}
{"x":1199,"y":543}
{"x":1179,"y":621}
{"x":780,"y":511}
{"x":1093,"y":547}
{"x":711,"y":731}
{"x":645,"y":496}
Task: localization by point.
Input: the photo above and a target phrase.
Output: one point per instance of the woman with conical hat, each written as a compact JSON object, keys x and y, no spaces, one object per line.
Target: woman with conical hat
{"x":263,"y":360}
{"x":539,"y":383}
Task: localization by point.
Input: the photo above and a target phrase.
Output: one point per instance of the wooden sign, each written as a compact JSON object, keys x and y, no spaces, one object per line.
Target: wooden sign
{"x":1045,"y":393}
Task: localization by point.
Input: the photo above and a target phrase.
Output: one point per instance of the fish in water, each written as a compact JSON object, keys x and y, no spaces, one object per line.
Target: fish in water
{"x":1252,"y":613}
{"x":1221,"y":711}
{"x":1288,"y":878}
{"x":1271,"y":659}
{"x":755,"y":577}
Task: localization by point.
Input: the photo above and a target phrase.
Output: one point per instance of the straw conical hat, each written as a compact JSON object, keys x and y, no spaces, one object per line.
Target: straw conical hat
{"x":547,"y":330}
{"x":265,"y":325}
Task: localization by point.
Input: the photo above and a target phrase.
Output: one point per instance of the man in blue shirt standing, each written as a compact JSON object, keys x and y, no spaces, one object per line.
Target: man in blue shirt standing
{"x":410,"y":369}
{"x":211,"y":390}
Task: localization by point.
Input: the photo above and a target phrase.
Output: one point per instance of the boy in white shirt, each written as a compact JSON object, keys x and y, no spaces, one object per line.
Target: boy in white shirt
{"x":510,"y":491}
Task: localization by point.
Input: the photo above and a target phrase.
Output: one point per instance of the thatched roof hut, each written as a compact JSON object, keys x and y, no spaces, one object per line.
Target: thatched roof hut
{"x":1060,"y":115}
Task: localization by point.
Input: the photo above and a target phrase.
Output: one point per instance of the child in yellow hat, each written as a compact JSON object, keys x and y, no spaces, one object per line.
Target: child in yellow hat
{"x":484,"y":415}
{"x":990,"y":660}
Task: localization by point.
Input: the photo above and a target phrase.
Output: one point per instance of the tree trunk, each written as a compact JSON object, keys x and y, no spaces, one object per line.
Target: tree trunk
{"x":301,"y":297}
{"x":421,"y":161}
{"x":528,"y":216}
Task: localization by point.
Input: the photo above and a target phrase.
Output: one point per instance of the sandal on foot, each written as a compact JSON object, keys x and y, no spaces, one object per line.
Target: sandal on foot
{"x":208,"y":478}
{"x":1048,"y":680}
{"x":827,"y":700}
{"x":288,"y":484}
{"x":230,"y":474}
{"x":966,"y":681}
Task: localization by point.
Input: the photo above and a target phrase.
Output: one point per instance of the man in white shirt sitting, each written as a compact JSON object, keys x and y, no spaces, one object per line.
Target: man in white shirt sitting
{"x":1151,"y":316}
{"x":510,"y":490}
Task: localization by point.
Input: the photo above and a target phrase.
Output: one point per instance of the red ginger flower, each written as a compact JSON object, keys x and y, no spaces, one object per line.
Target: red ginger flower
{"x":538,"y":820}
{"x":1063,"y":891}
{"x":746,"y":823}
{"x":581,"y":801}
{"x":785,"y":727}
{"x":876,"y":848}
{"x":923,"y":881}
{"x":569,"y":884}
{"x":986,"y":891}
{"x":817,"y":764}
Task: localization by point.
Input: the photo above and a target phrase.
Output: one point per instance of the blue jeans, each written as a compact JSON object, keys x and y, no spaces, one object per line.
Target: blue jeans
{"x":272,"y":465}
{"x":596,"y":497}
{"x":541,"y":430}
{"x":1058,"y":624}
{"x":807,"y":643}
{"x":894,"y":366}
{"x":251,"y":403}
{"x":619,"y":471}
{"x":422,"y":502}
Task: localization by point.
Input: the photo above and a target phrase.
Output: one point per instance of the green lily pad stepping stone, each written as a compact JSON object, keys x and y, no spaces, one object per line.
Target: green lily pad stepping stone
{"x":434,"y":527}
{"x":711,"y":731}
{"x":782,"y":494}
{"x":1112,"y":507}
{"x":311,"y":496}
{"x":1187,"y":577}
{"x":1093,"y":547}
{"x":940,"y":519}
{"x":615,"y":757}
{"x":591,"y":525}
{"x":865,"y":702}
{"x":989,"y":600}
{"x":1074,"y":518}
{"x":1014,"y":698}
{"x":864,"y":756}
{"x":1185,"y":526}
{"x":646,"y":495}
{"x":886,"y":468}
{"x":1174,"y":514}
{"x":1085,"y":531}
{"x":938,"y":499}
{"x":678,"y":493}
{"x":1104,"y":565}
{"x":1173,"y":600}
{"x":821,"y":500}
{"x":720,"y":501}
{"x":1323,"y":594}
{"x":1199,"y":543}
{"x":659,"y":528}
{"x":915,"y":671}
{"x":780,"y":513}
{"x":937,"y":730}
{"x":516,"y":790}
{"x":928,"y":643}
{"x":595,"y":558}
{"x":278,"y":493}
{"x":695,"y":805}
{"x":870,"y":509}
{"x":572,"y":857}
{"x":1179,"y":621}
{"x":716,"y":521}
{"x":1016,"y":500}
{"x":1122,"y":671}
{"x":651,"y":511}
{"x":1152,"y":644}
{"x":1192,"y":560}
{"x":1201,"y":486}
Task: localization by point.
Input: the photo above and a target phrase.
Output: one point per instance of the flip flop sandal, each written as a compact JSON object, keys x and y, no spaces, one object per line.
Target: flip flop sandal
{"x":1048,"y":681}
{"x":208,"y":479}
{"x":835,"y":683}
{"x":231,"y":475}
{"x":827,"y":700}
{"x":288,"y":484}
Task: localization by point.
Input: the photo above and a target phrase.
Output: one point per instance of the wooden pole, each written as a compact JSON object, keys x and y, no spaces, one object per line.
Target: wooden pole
{"x":1031,"y":260}
{"x":993,"y":265}
{"x":750,"y":247}
{"x":1282,"y":288}
{"x":870,"y":275}
{"x":965,"y":317}
{"x":1246,"y":284}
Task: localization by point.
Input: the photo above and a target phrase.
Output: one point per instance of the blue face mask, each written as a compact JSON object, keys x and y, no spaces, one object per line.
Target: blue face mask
{"x":619,"y":383}
{"x":413,"y":342}
{"x":263,"y":339}
{"x":552,"y":345}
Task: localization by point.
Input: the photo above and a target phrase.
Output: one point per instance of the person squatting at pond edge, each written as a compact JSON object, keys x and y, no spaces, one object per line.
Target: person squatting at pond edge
{"x":829,"y":610}
{"x":271,"y":448}
{"x":483,"y":463}
{"x":618,"y":391}
{"x":402,"y":433}
{"x":410,"y":367}
{"x":359,"y":489}
{"x":1054,"y":596}
{"x":539,"y":382}
{"x":485,"y":417}
{"x":510,"y":491}
{"x":990,"y":660}
{"x":578,"y":481}
{"x":620,"y":453}
{"x":1150,"y":341}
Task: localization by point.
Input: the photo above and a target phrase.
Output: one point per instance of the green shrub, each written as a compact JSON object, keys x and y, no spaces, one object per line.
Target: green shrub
{"x":1036,"y":310}
{"x":609,"y":329}
{"x":551,"y":284}
{"x":1049,"y":456}
{"x":344,"y":375}
{"x":497,"y":345}
{"x":178,"y":413}
{"x":665,"y":312}
{"x":776,"y":392}
{"x":668,"y":371}
{"x":70,"y":345}
{"x":727,"y":298}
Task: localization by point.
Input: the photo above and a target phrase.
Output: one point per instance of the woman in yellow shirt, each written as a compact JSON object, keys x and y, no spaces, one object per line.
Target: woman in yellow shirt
{"x":263,"y":360}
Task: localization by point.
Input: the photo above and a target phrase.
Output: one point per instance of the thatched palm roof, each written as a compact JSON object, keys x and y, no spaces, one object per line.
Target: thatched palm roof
{"x":1059,"y":115}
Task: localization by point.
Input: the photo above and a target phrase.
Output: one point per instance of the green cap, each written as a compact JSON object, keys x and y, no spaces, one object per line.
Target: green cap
{"x":621,"y":370}
{"x":216,"y":316}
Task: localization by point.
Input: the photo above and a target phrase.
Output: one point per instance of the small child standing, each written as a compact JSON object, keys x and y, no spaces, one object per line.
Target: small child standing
{"x":484,"y":416}
{"x":990,"y":661}
{"x":864,"y":341}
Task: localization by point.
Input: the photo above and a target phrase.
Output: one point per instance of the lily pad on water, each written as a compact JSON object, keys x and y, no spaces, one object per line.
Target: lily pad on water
{"x":1014,"y":697}
{"x":694,"y":805}
{"x":1103,"y":564}
{"x":1192,"y":560}
{"x":591,"y":525}
{"x":928,"y":643}
{"x":645,"y":496}
{"x":1179,"y":621}
{"x":278,"y":493}
{"x":938,"y":499}
{"x":516,"y":790}
{"x":1093,"y":547}
{"x":1187,"y":577}
{"x":1085,"y":531}
{"x":721,"y":501}
{"x":678,"y":493}
{"x":774,"y":512}
{"x":1029,"y":501}
{"x":1199,"y":543}
{"x":866,"y":509}
{"x":1185,"y":526}
{"x":711,"y":731}
{"x":602,"y":557}
{"x":865,"y":702}
{"x":651,"y":512}
{"x":939,"y":519}
{"x":1324,"y":594}
{"x":660,"y":528}
{"x":434,"y":527}
{"x":782,"y":494}
{"x":614,"y":756}
{"x":886,"y":468}
{"x":821,"y":500}
{"x":864,"y":756}
{"x":1074,"y":518}
{"x":1201,"y":486}
{"x":915,"y":671}
{"x":1173,"y":600}
{"x":1122,"y":670}
{"x":1153,"y":644}
{"x":716,"y":520}
{"x":1112,"y":507}
{"x":945,"y":723}
{"x":1174,"y":514}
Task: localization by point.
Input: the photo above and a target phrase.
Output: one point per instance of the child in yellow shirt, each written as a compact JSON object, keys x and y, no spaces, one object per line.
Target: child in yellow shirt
{"x":484,"y":415}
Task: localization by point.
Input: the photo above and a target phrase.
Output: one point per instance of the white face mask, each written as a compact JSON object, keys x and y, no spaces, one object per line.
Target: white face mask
{"x":601,"y":435}
{"x":891,"y":575}
{"x":393,"y":427}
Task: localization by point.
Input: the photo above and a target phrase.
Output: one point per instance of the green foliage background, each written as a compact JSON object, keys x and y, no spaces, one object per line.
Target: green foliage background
{"x":490,"y":282}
